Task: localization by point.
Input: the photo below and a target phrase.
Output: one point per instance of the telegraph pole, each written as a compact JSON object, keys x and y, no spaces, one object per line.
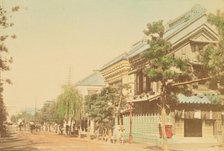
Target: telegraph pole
{"x":69,"y":76}
{"x":35,"y":110}
{"x":67,"y":104}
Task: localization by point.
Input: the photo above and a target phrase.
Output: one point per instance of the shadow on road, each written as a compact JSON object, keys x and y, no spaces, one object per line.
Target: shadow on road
{"x":11,"y":142}
{"x":20,"y":149}
{"x":157,"y":148}
{"x":10,"y":139}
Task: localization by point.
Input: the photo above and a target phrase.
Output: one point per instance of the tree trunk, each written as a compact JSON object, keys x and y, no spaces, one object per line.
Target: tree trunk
{"x":163,"y":115}
{"x":163,"y":127}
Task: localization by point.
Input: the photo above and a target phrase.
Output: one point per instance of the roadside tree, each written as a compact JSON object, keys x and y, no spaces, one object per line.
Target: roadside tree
{"x":47,"y":112}
{"x":4,"y":60}
{"x":68,"y":104}
{"x":106,"y":108}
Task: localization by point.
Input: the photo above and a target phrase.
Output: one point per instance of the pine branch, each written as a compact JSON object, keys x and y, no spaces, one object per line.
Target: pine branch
{"x":196,"y":80}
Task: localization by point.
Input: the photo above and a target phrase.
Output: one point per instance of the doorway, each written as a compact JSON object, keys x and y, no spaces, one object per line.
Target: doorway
{"x":192,"y":128}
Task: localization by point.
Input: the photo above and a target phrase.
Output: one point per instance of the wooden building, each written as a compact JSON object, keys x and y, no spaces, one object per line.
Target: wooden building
{"x":196,"y":116}
{"x":90,"y":85}
{"x":116,"y":71}
{"x":188,"y":34}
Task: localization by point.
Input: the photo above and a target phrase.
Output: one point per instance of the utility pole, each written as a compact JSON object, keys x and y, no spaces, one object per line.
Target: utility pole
{"x":35,"y":110}
{"x":67,"y":104}
{"x":69,"y":76}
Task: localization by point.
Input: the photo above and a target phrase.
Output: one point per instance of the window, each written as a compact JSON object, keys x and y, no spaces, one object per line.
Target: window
{"x":197,"y":46}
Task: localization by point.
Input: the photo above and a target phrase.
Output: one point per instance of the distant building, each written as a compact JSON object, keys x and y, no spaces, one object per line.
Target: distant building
{"x":116,"y":71}
{"x":92,"y":84}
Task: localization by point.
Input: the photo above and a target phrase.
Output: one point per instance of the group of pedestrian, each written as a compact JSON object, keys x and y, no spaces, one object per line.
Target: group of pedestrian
{"x":113,"y":135}
{"x":67,"y":128}
{"x":78,"y":128}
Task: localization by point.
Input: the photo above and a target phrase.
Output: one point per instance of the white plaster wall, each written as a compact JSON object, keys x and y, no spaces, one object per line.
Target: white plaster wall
{"x":186,"y":53}
{"x":83,"y":90}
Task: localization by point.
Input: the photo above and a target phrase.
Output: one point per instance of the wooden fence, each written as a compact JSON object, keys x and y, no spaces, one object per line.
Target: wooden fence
{"x":145,"y":128}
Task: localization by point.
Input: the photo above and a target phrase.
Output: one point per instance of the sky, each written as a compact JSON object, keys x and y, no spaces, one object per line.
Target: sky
{"x":54,"y":36}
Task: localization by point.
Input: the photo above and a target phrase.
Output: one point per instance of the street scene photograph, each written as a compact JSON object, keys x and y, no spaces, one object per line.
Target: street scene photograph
{"x":119,"y":75}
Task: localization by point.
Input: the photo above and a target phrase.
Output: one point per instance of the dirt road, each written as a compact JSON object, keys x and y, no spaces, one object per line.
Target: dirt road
{"x":42,"y":141}
{"x":45,"y":141}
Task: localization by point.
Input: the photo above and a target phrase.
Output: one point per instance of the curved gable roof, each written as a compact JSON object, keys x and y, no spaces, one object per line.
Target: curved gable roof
{"x":173,"y":27}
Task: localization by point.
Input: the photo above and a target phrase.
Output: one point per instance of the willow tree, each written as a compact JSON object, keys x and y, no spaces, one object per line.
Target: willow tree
{"x":69,"y":104}
{"x":4,"y":61}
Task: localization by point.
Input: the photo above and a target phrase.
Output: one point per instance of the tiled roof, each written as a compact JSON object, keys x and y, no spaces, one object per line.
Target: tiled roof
{"x":172,"y":27}
{"x":205,"y":98}
{"x":138,"y":48}
{"x":199,"y":99}
{"x":123,"y":56}
{"x":95,"y":79}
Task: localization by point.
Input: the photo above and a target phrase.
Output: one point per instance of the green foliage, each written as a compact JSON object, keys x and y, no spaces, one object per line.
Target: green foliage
{"x":69,"y":103}
{"x":162,"y":64}
{"x":165,"y":67}
{"x":60,"y":110}
{"x":104,"y":107}
{"x":5,"y":23}
{"x":47,"y":112}
{"x":4,"y":60}
{"x":215,"y":99}
{"x":213,"y":56}
{"x":218,"y":21}
{"x":3,"y":113}
{"x":155,"y":27}
{"x":24,"y":116}
{"x":100,"y":106}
